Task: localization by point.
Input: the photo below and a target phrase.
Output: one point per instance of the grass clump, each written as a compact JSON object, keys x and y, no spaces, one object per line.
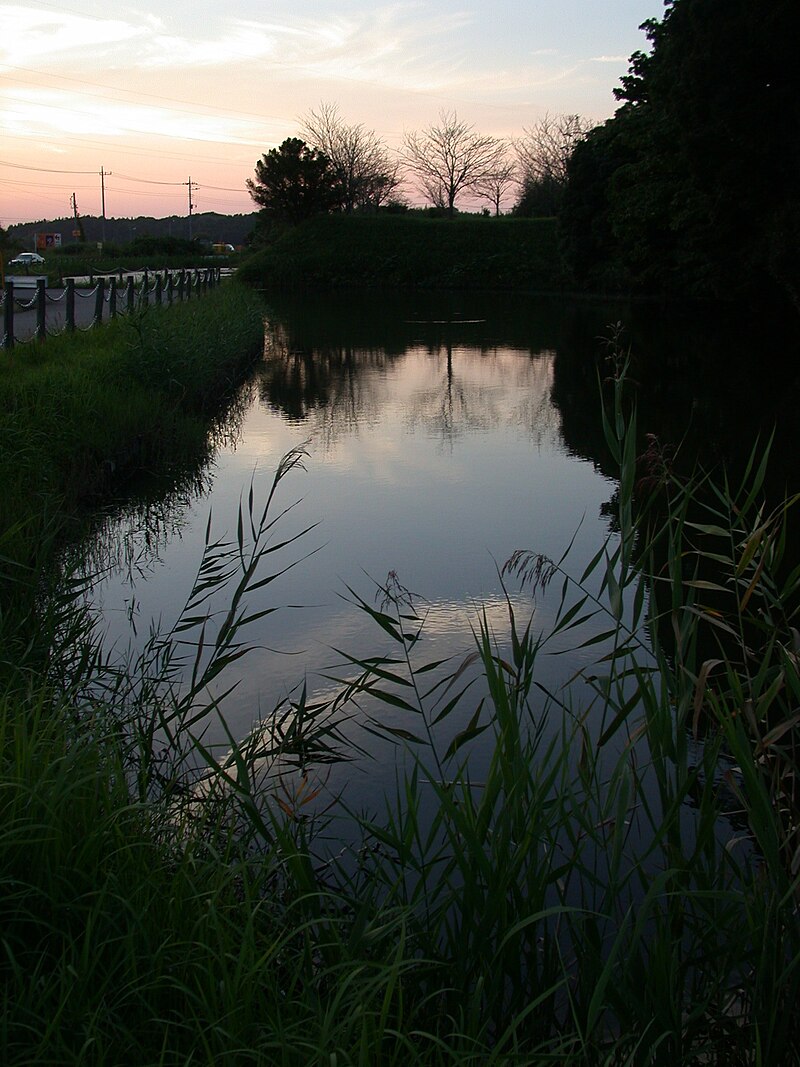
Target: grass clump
{"x":612,"y":879}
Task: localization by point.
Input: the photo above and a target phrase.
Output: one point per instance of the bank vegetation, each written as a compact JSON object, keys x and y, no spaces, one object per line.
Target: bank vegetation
{"x":619,"y":884}
{"x":411,"y":252}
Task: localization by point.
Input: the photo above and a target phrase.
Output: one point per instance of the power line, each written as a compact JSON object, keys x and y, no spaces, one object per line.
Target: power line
{"x":148,"y":181}
{"x":103,"y":174}
{"x":132,"y":150}
{"x":27,"y":185}
{"x":44,"y":170}
{"x":203,"y":108}
{"x":117,"y":174}
{"x":136,"y":131}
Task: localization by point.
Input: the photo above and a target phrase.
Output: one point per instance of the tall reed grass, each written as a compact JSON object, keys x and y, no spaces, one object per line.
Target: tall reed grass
{"x":618,"y":885}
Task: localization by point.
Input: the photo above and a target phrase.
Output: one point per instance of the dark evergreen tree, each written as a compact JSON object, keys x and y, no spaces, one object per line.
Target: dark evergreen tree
{"x":295,"y":182}
{"x":540,"y":198}
{"x":700,"y":166}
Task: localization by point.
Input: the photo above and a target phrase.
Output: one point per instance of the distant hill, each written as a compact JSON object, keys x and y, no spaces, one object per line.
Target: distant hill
{"x":210,"y":226}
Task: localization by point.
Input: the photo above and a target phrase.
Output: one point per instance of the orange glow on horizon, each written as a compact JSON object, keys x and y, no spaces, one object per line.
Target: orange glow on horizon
{"x":155,"y":97}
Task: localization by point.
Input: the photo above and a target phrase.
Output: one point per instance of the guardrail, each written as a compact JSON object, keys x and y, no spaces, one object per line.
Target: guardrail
{"x":123,"y":293}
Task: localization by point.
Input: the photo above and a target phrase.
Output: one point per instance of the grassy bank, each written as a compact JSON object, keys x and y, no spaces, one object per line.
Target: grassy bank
{"x":618,"y":885}
{"x":413,"y":253}
{"x":83,"y":413}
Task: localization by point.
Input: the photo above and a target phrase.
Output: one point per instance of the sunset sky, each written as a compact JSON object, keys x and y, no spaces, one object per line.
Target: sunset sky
{"x":156,"y":94}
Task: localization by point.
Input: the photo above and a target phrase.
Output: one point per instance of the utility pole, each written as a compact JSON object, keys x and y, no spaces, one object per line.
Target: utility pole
{"x":191,"y":206}
{"x":78,"y":231}
{"x":103,"y":174}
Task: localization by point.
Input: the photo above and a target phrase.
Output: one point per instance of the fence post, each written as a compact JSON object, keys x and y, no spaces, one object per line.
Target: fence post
{"x":41,"y":298}
{"x":98,"y":301}
{"x":145,"y":291}
{"x":170,"y":287}
{"x":158,"y":290}
{"x":70,"y":303}
{"x":8,"y":316}
{"x":130,"y":295}
{"x":198,"y":282}
{"x":112,"y":298}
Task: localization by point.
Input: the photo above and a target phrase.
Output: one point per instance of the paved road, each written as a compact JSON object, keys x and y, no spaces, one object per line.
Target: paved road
{"x":56,"y":311}
{"x":56,"y":306}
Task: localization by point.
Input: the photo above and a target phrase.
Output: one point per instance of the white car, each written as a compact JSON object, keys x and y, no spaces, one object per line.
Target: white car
{"x":26,"y":259}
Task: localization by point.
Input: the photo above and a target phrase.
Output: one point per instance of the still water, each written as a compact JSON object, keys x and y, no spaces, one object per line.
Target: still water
{"x":441,"y":434}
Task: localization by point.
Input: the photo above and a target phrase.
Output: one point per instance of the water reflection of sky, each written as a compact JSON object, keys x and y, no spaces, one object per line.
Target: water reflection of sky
{"x":436,"y":463}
